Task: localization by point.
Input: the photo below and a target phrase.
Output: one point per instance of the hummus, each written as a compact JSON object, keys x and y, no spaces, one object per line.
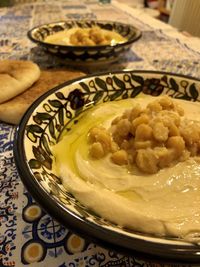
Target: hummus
{"x":85,"y":36}
{"x":166,"y":203}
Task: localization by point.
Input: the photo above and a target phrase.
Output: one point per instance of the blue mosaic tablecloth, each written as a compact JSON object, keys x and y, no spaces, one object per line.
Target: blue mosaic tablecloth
{"x":29,"y":236}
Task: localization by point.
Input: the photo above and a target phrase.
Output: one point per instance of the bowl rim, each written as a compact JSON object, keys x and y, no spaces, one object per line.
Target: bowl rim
{"x":106,"y":237}
{"x":137,"y":36}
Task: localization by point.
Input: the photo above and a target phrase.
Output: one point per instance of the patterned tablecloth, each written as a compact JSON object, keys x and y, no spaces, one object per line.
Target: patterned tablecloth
{"x":29,"y":236}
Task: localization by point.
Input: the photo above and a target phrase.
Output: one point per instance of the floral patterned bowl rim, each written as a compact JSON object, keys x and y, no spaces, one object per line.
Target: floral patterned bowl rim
{"x":133,"y":35}
{"x":34,"y":163}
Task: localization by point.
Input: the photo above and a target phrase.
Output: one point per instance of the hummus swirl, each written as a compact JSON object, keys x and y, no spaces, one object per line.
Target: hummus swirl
{"x":166,"y":203}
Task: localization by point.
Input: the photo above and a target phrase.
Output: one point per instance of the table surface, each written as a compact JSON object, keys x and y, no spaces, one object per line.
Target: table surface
{"x":161,"y":48}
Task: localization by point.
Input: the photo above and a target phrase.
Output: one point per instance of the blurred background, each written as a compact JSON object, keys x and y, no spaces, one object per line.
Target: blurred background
{"x":182,"y":14}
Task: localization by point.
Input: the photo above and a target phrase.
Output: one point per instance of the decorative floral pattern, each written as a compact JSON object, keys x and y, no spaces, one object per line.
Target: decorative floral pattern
{"x":6,"y":138}
{"x":9,"y":181}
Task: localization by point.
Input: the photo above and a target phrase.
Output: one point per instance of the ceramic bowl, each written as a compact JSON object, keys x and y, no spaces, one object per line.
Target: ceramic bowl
{"x":85,"y":53}
{"x":59,"y":108}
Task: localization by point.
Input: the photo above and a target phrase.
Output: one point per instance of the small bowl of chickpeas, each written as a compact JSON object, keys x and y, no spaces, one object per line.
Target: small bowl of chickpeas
{"x":85,"y":40}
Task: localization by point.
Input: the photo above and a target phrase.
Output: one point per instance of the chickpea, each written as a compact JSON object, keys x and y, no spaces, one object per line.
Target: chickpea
{"x":179,"y":110}
{"x":139,"y":120}
{"x":105,"y":139}
{"x":154,"y":106}
{"x":96,"y":150}
{"x":126,"y":114}
{"x":165,"y":156}
{"x":143,"y":132}
{"x":135,"y":112}
{"x":146,"y":161}
{"x":175,"y":118}
{"x":155,"y":120}
{"x":177,"y":144}
{"x":173,"y":130}
{"x":80,"y":34}
{"x":190,"y":133}
{"x":166,"y":102}
{"x":87,"y":41}
{"x":116,"y":120}
{"x":93,"y":132}
{"x":99,"y":134}
{"x":96,"y":36}
{"x":123,"y":127}
{"x":120,"y":157}
{"x":160,"y":132}
{"x":147,"y":112}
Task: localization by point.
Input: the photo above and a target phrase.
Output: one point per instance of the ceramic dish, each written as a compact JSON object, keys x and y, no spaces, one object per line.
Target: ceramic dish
{"x":44,"y":122}
{"x":85,"y":53}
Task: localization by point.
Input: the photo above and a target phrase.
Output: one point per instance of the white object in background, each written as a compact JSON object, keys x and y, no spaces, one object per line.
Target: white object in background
{"x":185,"y":16}
{"x":133,"y":3}
{"x":169,"y":4}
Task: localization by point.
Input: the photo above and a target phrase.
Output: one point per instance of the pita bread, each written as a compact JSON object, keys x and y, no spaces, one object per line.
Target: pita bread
{"x":13,"y":110}
{"x":15,"y":77}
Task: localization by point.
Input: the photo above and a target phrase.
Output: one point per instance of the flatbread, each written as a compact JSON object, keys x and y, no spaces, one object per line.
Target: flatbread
{"x":13,"y":110}
{"x":16,"y":76}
